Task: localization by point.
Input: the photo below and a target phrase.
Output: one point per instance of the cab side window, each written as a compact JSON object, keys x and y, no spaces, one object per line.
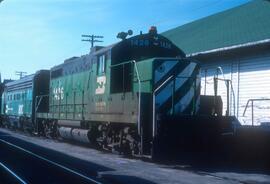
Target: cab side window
{"x":101,"y":65}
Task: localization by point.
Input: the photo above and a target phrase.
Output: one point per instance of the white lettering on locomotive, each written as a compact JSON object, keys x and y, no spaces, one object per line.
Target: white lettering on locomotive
{"x":100,"y":106}
{"x":58,"y":93}
{"x":8,"y":109}
{"x":20,"y":109}
{"x":101,"y":81}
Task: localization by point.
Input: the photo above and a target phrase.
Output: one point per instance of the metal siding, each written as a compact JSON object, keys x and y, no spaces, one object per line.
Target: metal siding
{"x":254,"y":83}
{"x":250,"y":79}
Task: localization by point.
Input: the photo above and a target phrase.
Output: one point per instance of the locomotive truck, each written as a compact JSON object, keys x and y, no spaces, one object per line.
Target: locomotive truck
{"x":138,"y":96}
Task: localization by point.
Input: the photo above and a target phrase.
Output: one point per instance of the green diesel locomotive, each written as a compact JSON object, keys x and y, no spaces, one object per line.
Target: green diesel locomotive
{"x":112,"y":97}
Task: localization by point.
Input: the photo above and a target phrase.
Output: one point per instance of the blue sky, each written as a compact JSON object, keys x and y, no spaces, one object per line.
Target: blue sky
{"x":38,"y":34}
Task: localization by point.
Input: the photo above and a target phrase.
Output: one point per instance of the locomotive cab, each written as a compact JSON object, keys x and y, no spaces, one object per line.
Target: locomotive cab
{"x":137,"y":49}
{"x":151,"y":78}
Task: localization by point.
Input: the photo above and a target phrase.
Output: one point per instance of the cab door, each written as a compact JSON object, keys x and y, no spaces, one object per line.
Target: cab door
{"x":100,"y":90}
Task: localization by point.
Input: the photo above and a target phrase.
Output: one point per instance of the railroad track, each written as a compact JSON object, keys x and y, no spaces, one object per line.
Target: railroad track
{"x":8,"y":176}
{"x":20,"y":165}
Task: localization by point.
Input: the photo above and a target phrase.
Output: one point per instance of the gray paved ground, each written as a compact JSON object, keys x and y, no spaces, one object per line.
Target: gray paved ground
{"x":147,"y":171}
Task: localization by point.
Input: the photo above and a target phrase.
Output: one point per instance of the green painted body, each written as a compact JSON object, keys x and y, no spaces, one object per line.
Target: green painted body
{"x":103,"y":86}
{"x":75,"y":97}
{"x":18,"y":103}
{"x":78,"y":97}
{"x":145,"y":69}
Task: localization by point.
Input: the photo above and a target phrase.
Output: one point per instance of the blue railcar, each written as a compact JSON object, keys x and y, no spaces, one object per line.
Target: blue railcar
{"x":19,"y":98}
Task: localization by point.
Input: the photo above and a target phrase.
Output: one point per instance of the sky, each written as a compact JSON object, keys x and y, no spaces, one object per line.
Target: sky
{"x":39,"y":34}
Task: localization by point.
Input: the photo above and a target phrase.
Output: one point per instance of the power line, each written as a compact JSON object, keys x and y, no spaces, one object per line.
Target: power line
{"x":93,"y":39}
{"x":20,"y":73}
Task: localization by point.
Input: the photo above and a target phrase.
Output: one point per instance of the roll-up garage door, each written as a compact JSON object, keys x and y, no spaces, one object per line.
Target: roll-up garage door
{"x":254,"y":83}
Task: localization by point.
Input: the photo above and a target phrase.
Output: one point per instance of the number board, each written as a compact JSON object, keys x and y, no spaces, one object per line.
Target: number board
{"x":150,"y":42}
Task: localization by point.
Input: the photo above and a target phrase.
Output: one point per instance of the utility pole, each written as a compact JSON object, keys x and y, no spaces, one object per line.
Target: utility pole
{"x":92,"y":38}
{"x":20,"y":73}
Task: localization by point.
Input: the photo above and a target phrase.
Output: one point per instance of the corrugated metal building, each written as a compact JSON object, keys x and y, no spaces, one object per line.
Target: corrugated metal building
{"x":238,"y":41}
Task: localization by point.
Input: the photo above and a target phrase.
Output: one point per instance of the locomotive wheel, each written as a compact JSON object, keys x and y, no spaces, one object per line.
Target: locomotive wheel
{"x":48,"y":129}
{"x":118,"y":139}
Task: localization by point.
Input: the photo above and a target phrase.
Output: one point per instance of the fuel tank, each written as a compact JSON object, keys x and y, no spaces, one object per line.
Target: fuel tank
{"x":76,"y":134}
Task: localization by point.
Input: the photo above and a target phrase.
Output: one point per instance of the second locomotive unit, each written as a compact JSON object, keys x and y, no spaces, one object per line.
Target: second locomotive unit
{"x":112,"y":97}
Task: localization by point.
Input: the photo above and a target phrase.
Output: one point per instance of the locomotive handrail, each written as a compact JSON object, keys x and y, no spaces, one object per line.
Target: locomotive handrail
{"x":252,"y":109}
{"x":139,"y":83}
{"x":195,"y":89}
{"x":228,"y":84}
{"x":154,"y":104}
{"x":139,"y":106}
{"x":40,"y":98}
{"x":139,"y":102}
{"x":154,"y":99}
{"x":36,"y":108}
{"x":139,"y":97}
{"x":124,"y":63}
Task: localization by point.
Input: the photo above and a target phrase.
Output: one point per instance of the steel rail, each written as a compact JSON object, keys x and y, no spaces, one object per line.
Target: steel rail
{"x":12,"y":173}
{"x":52,"y":162}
